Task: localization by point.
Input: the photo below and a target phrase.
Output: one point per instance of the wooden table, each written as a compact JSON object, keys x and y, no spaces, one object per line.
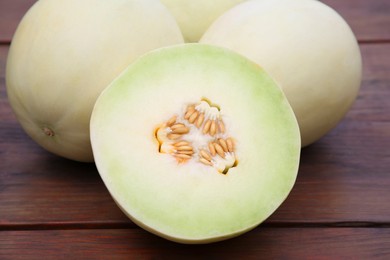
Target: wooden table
{"x":54,"y":208}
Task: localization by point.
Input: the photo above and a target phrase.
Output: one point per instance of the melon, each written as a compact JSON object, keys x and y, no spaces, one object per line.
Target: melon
{"x":195,"y":143}
{"x":194,"y":17}
{"x":307,"y":47}
{"x":65,"y":52}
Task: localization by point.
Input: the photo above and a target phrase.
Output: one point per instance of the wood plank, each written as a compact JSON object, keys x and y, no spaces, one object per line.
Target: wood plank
{"x":346,"y":174}
{"x":38,"y":187}
{"x":267,"y":243}
{"x":11,"y":12}
{"x":369,"y":19}
{"x":344,"y":178}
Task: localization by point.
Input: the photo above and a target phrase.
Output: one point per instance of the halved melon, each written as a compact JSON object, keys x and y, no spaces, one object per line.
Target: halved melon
{"x":195,"y":143}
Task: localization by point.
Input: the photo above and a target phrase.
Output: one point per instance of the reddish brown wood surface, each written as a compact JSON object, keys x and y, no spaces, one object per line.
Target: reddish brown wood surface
{"x":368,"y":19}
{"x":265,"y":243}
{"x":339,"y":206}
{"x":11,"y":11}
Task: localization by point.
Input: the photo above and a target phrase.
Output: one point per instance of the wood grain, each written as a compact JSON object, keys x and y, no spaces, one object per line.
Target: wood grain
{"x":11,"y":12}
{"x":265,"y":243}
{"x":369,"y":20}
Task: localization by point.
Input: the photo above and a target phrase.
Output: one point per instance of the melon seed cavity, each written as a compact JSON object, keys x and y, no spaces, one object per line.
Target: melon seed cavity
{"x":198,"y":133}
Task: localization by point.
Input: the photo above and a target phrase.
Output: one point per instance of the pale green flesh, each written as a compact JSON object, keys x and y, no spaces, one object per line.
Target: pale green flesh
{"x":191,"y":202}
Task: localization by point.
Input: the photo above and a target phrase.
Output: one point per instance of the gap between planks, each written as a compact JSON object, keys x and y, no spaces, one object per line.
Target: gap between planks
{"x":130,"y":225}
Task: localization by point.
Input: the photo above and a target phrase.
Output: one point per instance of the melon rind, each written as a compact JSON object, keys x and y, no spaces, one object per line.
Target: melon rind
{"x":191,"y":202}
{"x":307,"y":47}
{"x":194,"y":17}
{"x":65,"y":52}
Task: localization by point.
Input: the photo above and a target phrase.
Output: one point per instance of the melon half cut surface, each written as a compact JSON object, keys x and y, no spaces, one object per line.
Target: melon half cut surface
{"x":195,"y":143}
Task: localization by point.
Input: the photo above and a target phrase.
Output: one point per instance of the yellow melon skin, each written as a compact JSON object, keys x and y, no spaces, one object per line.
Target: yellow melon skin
{"x":306,"y":47}
{"x":194,"y":17}
{"x":65,"y":52}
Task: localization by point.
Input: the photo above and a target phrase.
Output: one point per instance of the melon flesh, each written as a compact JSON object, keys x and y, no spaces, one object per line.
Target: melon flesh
{"x":307,"y":47}
{"x":190,"y":202}
{"x":65,"y":52}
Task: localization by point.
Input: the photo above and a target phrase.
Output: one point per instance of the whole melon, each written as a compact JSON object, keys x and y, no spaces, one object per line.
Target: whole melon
{"x":307,"y":47}
{"x":65,"y":52}
{"x":194,"y":17}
